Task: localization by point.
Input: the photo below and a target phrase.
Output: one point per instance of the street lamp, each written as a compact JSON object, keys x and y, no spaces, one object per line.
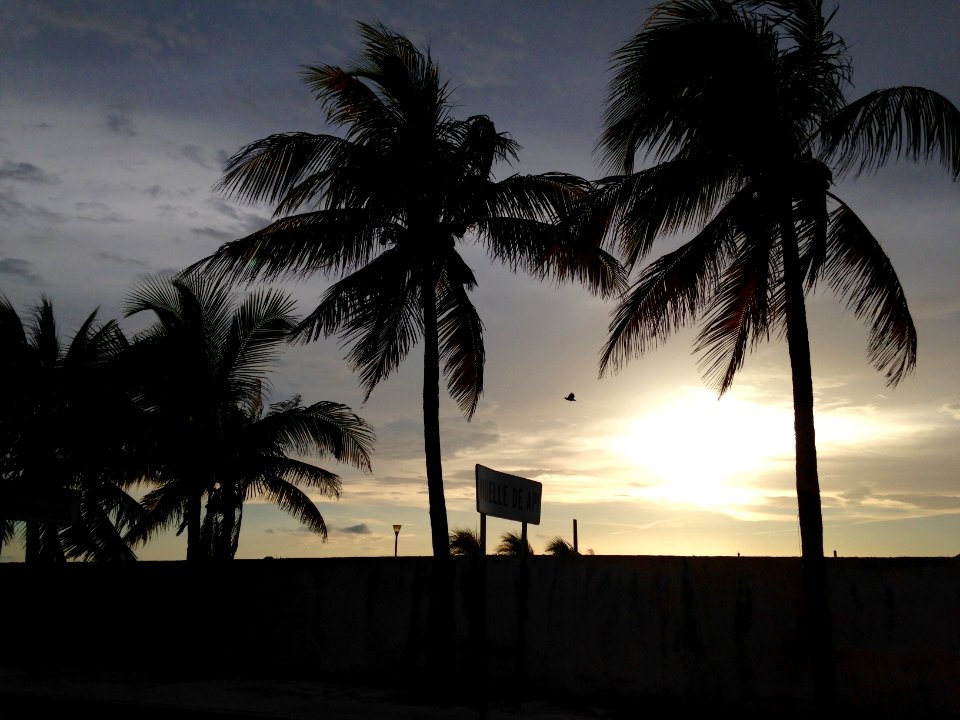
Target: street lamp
{"x":396,"y":538}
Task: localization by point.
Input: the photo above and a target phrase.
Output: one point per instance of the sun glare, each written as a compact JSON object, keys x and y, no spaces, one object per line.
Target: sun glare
{"x":702,"y":451}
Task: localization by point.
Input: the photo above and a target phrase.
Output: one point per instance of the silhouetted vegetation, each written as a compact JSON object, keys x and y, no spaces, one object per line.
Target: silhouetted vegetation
{"x":741,"y":107}
{"x":181,"y":408}
{"x":512,"y":545}
{"x":387,"y":205}
{"x":465,"y":542}
{"x":65,"y":433}
{"x":216,"y":446}
{"x":559,"y":546}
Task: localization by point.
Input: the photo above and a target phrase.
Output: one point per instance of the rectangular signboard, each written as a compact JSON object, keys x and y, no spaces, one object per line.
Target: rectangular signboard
{"x":510,"y":497}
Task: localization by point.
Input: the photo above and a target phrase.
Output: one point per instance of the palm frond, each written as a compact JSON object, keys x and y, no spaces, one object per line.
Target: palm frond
{"x":859,"y":270}
{"x":324,"y":241}
{"x":271,"y":169}
{"x":675,"y":289}
{"x":739,"y":315}
{"x":325,"y":428}
{"x":512,"y":544}
{"x":260,"y":327}
{"x":294,"y":502}
{"x":910,"y":122}
{"x":465,"y":542}
{"x":672,"y":197}
{"x":560,"y":547}
{"x":376,"y":311}
{"x":460,"y":335}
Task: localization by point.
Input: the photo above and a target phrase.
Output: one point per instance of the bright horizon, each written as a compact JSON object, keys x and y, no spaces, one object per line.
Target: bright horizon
{"x":117,"y":119}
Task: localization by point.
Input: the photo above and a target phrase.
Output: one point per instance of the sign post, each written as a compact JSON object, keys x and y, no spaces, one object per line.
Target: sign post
{"x":510,"y":497}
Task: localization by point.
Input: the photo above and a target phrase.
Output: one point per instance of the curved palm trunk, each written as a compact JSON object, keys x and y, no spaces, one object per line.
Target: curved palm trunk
{"x":431,"y":418}
{"x":808,"y":484}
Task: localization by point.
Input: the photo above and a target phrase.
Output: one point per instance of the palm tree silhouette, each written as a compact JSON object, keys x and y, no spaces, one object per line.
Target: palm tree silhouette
{"x":559,"y":546}
{"x":465,"y":542}
{"x":66,"y":425}
{"x":204,"y":364}
{"x":392,"y":200}
{"x":511,"y":544}
{"x":747,"y":135}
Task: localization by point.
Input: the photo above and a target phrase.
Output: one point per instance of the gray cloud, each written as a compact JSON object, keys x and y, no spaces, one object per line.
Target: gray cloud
{"x":120,"y":124}
{"x":361,"y":529}
{"x":214,"y":233}
{"x":120,"y":259}
{"x":13,"y":209}
{"x":98,"y":212}
{"x":248,"y":222}
{"x":17,"y":267}
{"x":26,"y":172}
{"x":196,"y":154}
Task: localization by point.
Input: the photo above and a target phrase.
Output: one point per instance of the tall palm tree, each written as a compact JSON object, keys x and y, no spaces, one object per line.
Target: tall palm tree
{"x":389,"y":202}
{"x":747,"y":136}
{"x":203,"y":364}
{"x":66,"y":426}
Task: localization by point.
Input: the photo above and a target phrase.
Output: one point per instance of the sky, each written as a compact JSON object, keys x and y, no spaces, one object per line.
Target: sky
{"x":116,"y":119}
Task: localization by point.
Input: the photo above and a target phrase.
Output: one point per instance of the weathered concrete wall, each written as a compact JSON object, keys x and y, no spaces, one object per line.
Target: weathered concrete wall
{"x":706,"y":630}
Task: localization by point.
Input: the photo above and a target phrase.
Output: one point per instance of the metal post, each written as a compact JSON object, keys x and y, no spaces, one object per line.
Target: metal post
{"x":483,"y":533}
{"x":396,"y":538}
{"x":575,"y":548}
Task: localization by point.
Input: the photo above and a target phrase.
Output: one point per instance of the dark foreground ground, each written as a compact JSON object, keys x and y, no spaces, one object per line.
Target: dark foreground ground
{"x":77,"y":694}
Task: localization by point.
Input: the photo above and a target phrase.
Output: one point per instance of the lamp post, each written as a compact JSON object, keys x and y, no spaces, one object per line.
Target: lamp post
{"x":396,"y":538}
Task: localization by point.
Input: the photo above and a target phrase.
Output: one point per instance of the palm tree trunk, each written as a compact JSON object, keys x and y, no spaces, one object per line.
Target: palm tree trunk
{"x":440,"y":631}
{"x":431,"y":417}
{"x":194,"y":551}
{"x":32,"y":549}
{"x":815,"y":589}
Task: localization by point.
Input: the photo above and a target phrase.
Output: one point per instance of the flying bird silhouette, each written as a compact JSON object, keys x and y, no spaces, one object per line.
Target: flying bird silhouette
{"x":570,"y":397}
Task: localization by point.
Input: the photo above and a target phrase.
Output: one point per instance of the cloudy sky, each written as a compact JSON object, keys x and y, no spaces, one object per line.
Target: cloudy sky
{"x":115,"y":121}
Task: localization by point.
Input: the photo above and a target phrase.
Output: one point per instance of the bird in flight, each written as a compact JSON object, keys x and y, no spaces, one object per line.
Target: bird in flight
{"x":570,"y":397}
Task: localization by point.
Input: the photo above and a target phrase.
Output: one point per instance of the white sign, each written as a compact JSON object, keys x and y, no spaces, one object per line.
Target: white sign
{"x":510,"y":497}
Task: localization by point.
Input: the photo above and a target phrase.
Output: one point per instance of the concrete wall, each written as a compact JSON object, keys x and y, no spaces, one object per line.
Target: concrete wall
{"x":640,"y":630}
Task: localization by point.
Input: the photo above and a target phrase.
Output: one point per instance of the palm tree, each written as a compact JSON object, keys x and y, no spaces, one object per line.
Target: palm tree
{"x":559,"y":546}
{"x":391,"y":201}
{"x":747,"y":135}
{"x":66,"y":427}
{"x":203,"y":364}
{"x":512,"y":545}
{"x":465,"y":542}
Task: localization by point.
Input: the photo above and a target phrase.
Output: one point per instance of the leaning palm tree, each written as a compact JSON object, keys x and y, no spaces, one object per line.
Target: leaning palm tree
{"x":513,"y":545}
{"x":66,"y":427}
{"x":465,"y":542}
{"x":203,"y":365}
{"x":747,"y":136}
{"x":384,"y":208}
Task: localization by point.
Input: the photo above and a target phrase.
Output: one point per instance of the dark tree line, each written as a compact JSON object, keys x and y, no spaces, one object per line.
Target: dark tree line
{"x":167,"y":430}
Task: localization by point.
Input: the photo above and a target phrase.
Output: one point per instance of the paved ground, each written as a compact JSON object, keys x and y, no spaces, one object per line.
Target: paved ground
{"x":109,"y":697}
